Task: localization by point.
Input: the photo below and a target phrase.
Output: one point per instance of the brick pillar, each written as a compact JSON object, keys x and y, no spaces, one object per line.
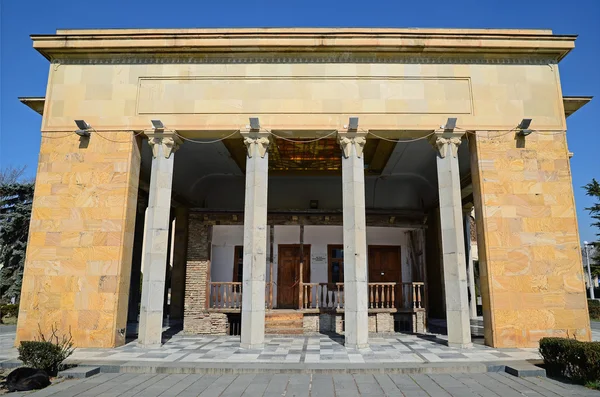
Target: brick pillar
{"x":195,"y":316}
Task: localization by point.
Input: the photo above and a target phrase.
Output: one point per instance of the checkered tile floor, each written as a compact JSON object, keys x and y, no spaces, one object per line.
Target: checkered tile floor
{"x":298,"y":349}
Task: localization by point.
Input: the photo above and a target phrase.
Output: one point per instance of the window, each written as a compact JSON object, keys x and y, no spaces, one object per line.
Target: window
{"x":238,"y":264}
{"x":336,"y":263}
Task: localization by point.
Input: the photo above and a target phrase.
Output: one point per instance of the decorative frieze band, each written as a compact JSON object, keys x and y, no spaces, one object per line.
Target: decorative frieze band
{"x":276,"y":58}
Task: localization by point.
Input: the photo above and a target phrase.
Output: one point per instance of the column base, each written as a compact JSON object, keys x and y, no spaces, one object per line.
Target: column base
{"x":357,"y":346}
{"x":461,"y":345}
{"x":149,"y":345}
{"x":252,"y":346}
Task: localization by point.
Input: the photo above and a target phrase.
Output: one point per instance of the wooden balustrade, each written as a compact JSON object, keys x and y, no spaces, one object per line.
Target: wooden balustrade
{"x":382,"y":295}
{"x":413,"y":295}
{"x":322,"y":296}
{"x":225,"y":295}
{"x":326,"y":296}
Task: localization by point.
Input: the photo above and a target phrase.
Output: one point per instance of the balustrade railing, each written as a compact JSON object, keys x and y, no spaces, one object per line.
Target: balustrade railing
{"x":413,"y":295}
{"x":326,"y":296}
{"x":382,"y":295}
{"x":322,"y":296}
{"x":225,"y":295}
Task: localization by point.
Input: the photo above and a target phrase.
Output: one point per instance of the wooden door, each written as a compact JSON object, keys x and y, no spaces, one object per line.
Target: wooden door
{"x":384,"y":264}
{"x":288,"y":275}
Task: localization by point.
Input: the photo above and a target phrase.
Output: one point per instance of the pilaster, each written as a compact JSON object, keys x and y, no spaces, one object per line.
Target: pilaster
{"x":446,"y":144}
{"x":156,"y":236}
{"x":255,"y":240}
{"x":355,"y":240}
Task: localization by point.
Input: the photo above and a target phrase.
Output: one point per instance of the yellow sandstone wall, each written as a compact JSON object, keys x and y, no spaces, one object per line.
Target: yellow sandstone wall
{"x":530,"y":261}
{"x":78,"y":259}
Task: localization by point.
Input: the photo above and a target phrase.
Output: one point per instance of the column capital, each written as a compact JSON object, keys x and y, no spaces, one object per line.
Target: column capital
{"x":347,"y":139}
{"x":441,"y":140}
{"x":256,"y":142}
{"x":167,"y":139}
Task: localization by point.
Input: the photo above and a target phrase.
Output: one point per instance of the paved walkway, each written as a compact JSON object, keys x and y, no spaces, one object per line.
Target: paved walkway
{"x":459,"y":385}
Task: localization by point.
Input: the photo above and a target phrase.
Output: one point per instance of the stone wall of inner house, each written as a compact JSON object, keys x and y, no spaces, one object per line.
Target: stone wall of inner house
{"x":333,"y":323}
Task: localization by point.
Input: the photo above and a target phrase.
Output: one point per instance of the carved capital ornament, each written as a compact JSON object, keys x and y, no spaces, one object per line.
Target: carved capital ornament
{"x":256,"y":143}
{"x":442,"y":140}
{"x":168,"y":140}
{"x":347,"y":141}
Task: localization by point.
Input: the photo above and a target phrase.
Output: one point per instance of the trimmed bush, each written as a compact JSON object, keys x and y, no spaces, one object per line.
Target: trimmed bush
{"x":594,"y":308}
{"x":579,"y":361}
{"x":9,"y":310}
{"x":47,"y":353}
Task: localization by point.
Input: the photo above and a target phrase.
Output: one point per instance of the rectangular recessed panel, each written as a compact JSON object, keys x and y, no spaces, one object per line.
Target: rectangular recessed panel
{"x":297,"y":95}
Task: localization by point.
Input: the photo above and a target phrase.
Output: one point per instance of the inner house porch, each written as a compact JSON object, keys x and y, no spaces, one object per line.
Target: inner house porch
{"x":304,"y":288}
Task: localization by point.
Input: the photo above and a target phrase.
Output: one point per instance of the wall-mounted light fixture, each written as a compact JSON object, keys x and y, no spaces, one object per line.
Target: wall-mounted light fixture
{"x":254,"y":123}
{"x":157,"y":124}
{"x":352,"y":124}
{"x":83,"y":128}
{"x":523,"y":127}
{"x":450,"y":124}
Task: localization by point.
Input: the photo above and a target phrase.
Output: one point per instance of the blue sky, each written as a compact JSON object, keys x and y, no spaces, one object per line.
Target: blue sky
{"x":23,"y":72}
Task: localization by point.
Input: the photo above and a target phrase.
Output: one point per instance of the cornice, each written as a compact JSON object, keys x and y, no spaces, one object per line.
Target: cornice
{"x":500,"y":43}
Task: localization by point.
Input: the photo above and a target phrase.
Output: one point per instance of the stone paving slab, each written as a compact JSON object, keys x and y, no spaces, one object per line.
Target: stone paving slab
{"x":311,"y":385}
{"x":394,"y":348}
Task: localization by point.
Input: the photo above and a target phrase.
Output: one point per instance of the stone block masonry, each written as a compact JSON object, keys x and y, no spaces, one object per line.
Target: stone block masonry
{"x":529,"y":255}
{"x":78,"y":263}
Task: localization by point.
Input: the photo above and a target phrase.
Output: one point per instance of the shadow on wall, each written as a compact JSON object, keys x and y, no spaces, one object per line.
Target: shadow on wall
{"x":227,"y":192}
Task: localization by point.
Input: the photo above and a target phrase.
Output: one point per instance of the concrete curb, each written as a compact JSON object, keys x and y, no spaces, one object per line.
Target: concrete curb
{"x":86,"y":369}
{"x":523,"y":369}
{"x":79,"y":372}
{"x":303,"y":368}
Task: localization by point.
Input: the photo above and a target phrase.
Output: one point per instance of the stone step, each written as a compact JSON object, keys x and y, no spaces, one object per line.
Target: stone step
{"x":284,"y":331}
{"x":287,"y":324}
{"x":283,"y":316}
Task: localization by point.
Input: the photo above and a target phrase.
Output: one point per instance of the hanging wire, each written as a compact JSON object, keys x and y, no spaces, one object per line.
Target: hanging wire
{"x":112,"y":140}
{"x":205,"y":142}
{"x":301,"y":141}
{"x":55,"y":137}
{"x":400,"y":140}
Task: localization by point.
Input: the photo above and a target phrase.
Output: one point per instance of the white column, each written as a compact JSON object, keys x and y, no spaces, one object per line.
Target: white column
{"x":453,"y":246}
{"x":356,"y":328}
{"x":255,"y":240}
{"x":470,"y":271}
{"x":156,"y":236}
